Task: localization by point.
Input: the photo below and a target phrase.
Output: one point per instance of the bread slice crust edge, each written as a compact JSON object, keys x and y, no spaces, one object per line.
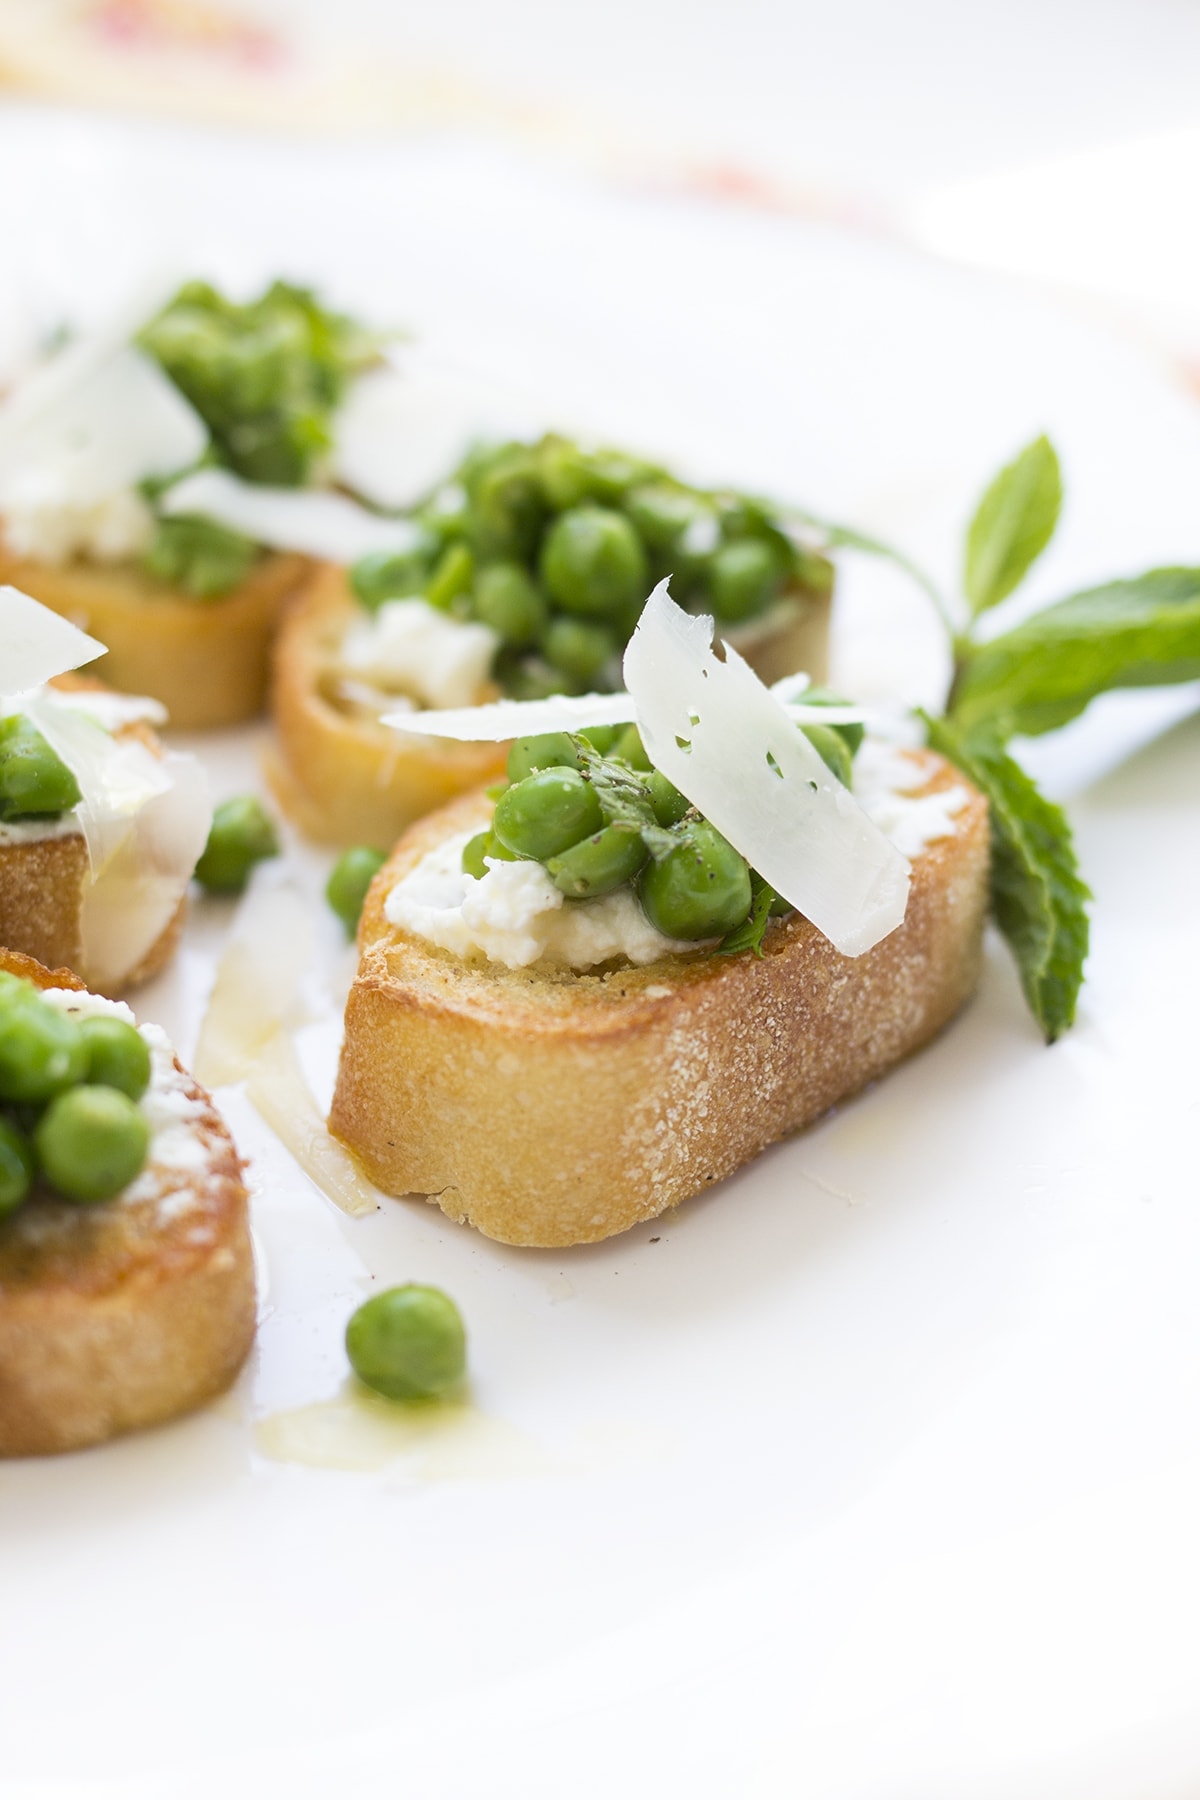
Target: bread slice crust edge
{"x":120,"y":1316}
{"x":548,"y":1108}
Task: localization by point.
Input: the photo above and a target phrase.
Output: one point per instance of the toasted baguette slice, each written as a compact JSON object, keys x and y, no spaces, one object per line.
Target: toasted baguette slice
{"x":551,"y":1108}
{"x":206,"y":660}
{"x":340,"y":775}
{"x":346,"y":779}
{"x":118,"y":1316}
{"x":42,"y":883}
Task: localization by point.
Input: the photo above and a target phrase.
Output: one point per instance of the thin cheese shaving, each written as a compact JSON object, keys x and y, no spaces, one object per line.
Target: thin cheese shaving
{"x":117,"y":776}
{"x":36,"y":644}
{"x":282,"y":1097}
{"x":500,"y":720}
{"x":94,"y":420}
{"x":401,"y":429}
{"x":733,"y":749}
{"x":504,"y":719}
{"x":325,"y":525}
{"x":131,"y":900}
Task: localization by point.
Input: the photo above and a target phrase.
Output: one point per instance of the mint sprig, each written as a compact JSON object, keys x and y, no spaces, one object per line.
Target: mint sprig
{"x":750,"y":933}
{"x":1142,"y":631}
{"x":1038,"y":898}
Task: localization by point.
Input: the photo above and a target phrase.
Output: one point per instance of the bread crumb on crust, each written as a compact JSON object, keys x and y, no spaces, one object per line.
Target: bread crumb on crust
{"x":551,"y":1108}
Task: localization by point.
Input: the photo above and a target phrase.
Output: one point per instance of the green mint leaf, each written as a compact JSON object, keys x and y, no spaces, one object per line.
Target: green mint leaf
{"x":1143,"y":632}
{"x":1038,"y":899}
{"x":1012,"y":526}
{"x":624,"y":799}
{"x":750,"y":933}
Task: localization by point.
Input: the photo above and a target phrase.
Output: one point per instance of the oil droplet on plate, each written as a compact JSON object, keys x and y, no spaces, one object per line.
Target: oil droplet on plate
{"x":447,"y":1440}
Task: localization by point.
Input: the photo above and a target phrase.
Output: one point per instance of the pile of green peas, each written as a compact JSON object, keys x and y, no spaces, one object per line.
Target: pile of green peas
{"x":691,"y":882}
{"x":556,"y":547}
{"x":34,"y":782}
{"x":69,"y":1089}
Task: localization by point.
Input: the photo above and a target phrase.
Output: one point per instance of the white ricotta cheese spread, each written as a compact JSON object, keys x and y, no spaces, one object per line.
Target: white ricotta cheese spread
{"x":409,"y":647}
{"x":516,"y":916}
{"x":45,"y":521}
{"x":884,"y":780}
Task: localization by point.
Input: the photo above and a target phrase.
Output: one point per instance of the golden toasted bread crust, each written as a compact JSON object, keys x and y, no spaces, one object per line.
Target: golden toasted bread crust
{"x":42,"y":883}
{"x":552,"y":1108}
{"x":345,"y":779}
{"x":119,"y":1316}
{"x":206,"y":660}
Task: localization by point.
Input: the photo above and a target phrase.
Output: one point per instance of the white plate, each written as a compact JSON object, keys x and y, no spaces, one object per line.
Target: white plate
{"x":875,"y":1472}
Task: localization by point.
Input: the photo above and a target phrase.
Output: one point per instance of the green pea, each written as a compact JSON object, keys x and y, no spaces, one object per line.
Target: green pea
{"x":598,"y":864}
{"x":562,"y":472}
{"x":34,"y":782}
{"x":349,"y":879}
{"x":832,"y":748}
{"x":408,"y":1343}
{"x":630,"y":749}
{"x":118,"y":1056}
{"x":553,"y":750}
{"x":452,"y":577}
{"x":611,"y":473}
{"x":546,"y":813}
{"x":447,"y":516}
{"x":602,"y":737}
{"x":473,"y":854}
{"x":700,"y":889}
{"x":592,"y":561}
{"x":42,"y":1051}
{"x":579,"y":648}
{"x":662,"y":512}
{"x":90,"y":1143}
{"x":241,"y":835}
{"x":16,"y":1167}
{"x":14,"y":990}
{"x":507,"y":600}
{"x":507,"y":509}
{"x":393,"y":574}
{"x":668,"y":803}
{"x":851,"y":734}
{"x":743,"y":578}
{"x":527,"y":677}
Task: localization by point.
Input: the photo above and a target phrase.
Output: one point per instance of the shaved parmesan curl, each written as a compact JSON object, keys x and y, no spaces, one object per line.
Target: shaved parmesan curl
{"x":734,"y":750}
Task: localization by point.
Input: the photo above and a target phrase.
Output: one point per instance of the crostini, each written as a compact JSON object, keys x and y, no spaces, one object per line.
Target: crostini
{"x":655,"y":973}
{"x":91,"y":448}
{"x":100,"y":827}
{"x":524,"y":578}
{"x":126,"y":1275}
